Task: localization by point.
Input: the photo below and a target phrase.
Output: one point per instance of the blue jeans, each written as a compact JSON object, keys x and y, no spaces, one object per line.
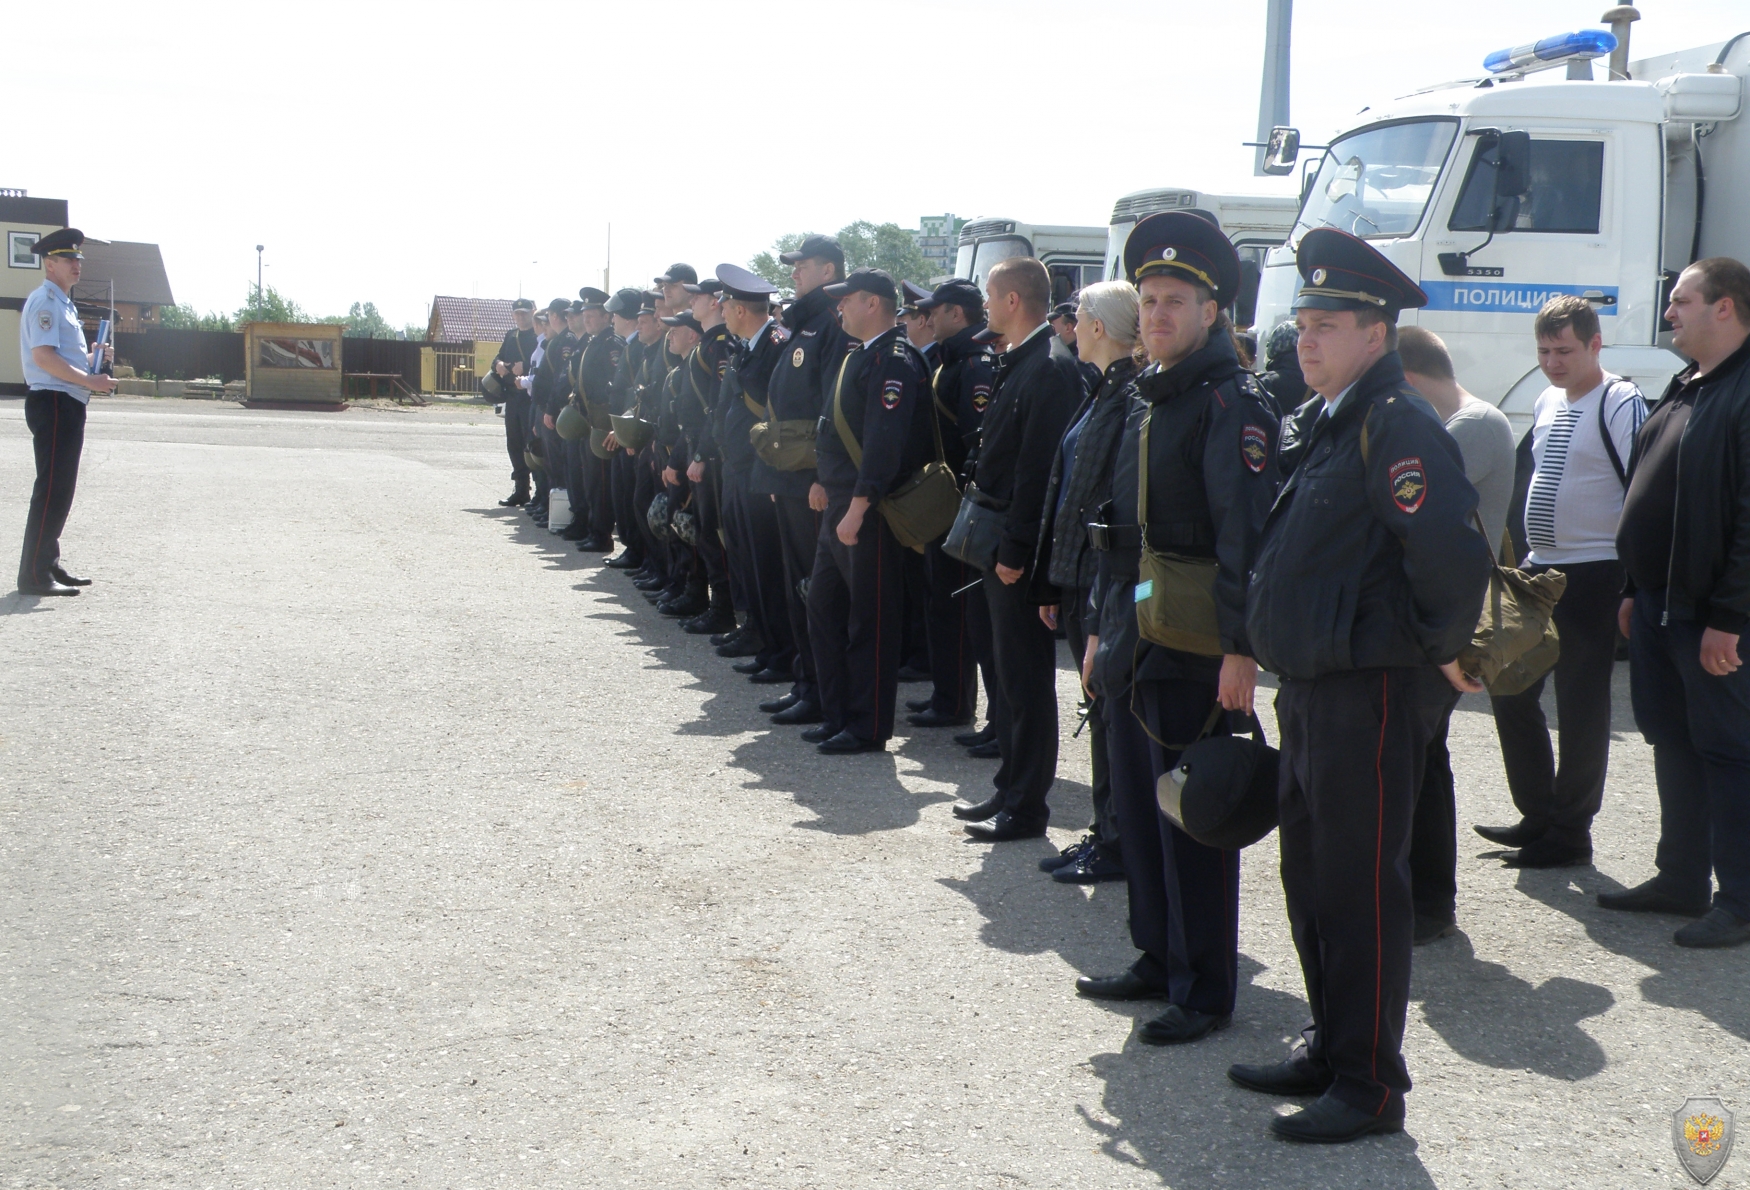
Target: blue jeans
{"x":1699,"y":727}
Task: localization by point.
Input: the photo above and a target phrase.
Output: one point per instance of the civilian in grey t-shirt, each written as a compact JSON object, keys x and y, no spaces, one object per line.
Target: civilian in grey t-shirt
{"x":1485,"y":439}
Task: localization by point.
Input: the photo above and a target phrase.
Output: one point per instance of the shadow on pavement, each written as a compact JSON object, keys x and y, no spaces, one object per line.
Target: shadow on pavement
{"x":1710,"y":983}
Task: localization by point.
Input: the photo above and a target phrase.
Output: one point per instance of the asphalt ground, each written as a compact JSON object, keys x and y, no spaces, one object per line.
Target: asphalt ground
{"x":353,"y":832}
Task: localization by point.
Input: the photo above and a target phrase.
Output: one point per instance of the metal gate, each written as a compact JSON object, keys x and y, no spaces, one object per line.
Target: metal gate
{"x":453,"y":370}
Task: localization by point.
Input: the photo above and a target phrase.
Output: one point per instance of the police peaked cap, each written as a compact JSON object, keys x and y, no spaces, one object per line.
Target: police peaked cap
{"x":684,"y":318}
{"x":816,"y":247}
{"x":1339,"y":271}
{"x":647,"y":302}
{"x":678,"y":272}
{"x":63,"y":243}
{"x":956,"y":291}
{"x":625,"y":303}
{"x":523,"y":304}
{"x":743,"y":285}
{"x":593,"y":298}
{"x":913,"y":295}
{"x":876,"y":281}
{"x":1187,"y":245}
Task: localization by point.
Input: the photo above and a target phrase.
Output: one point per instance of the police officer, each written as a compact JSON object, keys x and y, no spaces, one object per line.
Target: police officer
{"x":874,"y":434}
{"x":60,"y":378}
{"x":623,"y":311}
{"x":767,"y":645}
{"x":515,"y":357}
{"x":592,"y":377}
{"x":686,"y":594}
{"x":959,"y":622}
{"x":1369,"y":574}
{"x":703,"y":371}
{"x":653,"y":571}
{"x":915,"y":651}
{"x":1202,"y":437}
{"x":814,"y":344}
{"x":549,"y":389}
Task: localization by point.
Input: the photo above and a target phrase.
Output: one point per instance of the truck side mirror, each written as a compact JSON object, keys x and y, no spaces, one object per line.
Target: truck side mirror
{"x":1512,"y":178}
{"x":1281,"y":151}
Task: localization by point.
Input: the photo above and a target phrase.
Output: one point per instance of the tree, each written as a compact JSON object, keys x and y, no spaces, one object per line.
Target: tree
{"x":270,"y":306}
{"x":363,"y":322}
{"x":767,"y":264}
{"x":414,"y":331}
{"x":187,"y":318}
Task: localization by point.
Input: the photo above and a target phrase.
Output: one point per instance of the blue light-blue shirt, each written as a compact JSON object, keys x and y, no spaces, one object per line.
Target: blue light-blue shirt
{"x":50,"y":319}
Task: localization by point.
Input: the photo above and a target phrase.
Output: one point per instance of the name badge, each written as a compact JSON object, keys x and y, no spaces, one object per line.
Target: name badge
{"x":1144,"y":589}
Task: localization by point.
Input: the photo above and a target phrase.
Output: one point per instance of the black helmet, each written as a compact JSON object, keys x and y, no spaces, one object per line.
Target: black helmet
{"x":1223,"y":792}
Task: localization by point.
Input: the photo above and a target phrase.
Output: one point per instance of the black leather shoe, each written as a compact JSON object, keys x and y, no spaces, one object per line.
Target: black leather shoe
{"x":918,"y":704}
{"x":1650,"y":897}
{"x":1429,"y":928}
{"x":1296,"y":1076}
{"x":751,"y":666}
{"x":1179,"y":1025}
{"x":714,"y":621}
{"x":972,"y":739}
{"x":988,"y":751}
{"x":911,"y":673}
{"x":1720,"y":928}
{"x":774,"y":705}
{"x":1517,"y":835}
{"x":770,"y":677}
{"x":798,"y":713}
{"x":1005,"y":828}
{"x":1127,"y":985}
{"x":723,"y":638}
{"x":1093,"y":866}
{"x":844,"y":744}
{"x":937,"y":720}
{"x":1068,"y":855}
{"x":514,"y":500}
{"x":537,"y":512}
{"x":47,"y":586}
{"x":624,"y":560}
{"x":576,"y":531}
{"x":990,"y":807}
{"x":69,"y":580}
{"x":748,"y":645}
{"x":683,"y":608}
{"x":1327,"y":1120}
{"x":596,"y":545}
{"x":654,"y":583}
{"x":1545,"y":853}
{"x":819,"y":734}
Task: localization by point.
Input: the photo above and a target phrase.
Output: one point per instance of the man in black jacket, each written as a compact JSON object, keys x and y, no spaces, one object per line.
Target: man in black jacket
{"x":1684,"y":538}
{"x":1368,"y":577}
{"x":592,"y":381}
{"x":874,"y":434}
{"x":549,"y":389}
{"x":512,"y":361}
{"x":813,"y":347}
{"x":1038,"y":385}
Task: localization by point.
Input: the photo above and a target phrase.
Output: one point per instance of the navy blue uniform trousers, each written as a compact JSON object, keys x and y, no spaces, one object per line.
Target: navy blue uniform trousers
{"x":1184,"y":896}
{"x":953,"y":660}
{"x":1353,"y":748}
{"x":856,"y":609}
{"x":57,"y":432}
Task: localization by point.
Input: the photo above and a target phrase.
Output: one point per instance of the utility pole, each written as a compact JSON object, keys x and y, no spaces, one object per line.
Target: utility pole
{"x":1273,"y":95}
{"x":258,"y":280}
{"x":608,"y":268}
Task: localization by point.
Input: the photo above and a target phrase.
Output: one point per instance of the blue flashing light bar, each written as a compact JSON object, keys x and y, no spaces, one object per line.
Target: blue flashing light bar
{"x":1552,"y":51}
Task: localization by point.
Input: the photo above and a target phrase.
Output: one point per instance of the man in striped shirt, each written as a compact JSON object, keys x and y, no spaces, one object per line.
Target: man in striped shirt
{"x":1582,"y":433}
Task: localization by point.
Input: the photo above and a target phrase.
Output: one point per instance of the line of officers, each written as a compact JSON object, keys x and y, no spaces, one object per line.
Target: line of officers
{"x":741,"y":450}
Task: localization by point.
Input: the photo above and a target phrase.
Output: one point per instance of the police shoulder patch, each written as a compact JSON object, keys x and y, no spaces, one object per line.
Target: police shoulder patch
{"x":45,"y":320}
{"x":891,"y":392}
{"x":980,"y":396}
{"x":1254,"y":448}
{"x":1408,"y":483}
{"x":780,"y":333}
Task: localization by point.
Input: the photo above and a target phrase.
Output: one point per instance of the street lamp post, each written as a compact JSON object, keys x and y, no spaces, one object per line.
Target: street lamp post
{"x":258,"y":280}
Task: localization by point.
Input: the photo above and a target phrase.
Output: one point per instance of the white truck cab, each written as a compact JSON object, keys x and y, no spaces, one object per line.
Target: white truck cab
{"x":1074,"y":256}
{"x":1499,"y":193}
{"x":1255,"y":223}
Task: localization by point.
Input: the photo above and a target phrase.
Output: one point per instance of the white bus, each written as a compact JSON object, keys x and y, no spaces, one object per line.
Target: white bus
{"x":1074,"y":256}
{"x":1255,"y":223}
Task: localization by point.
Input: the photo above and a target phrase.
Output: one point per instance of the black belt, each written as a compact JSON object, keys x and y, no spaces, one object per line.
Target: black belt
{"x":1115,"y":537}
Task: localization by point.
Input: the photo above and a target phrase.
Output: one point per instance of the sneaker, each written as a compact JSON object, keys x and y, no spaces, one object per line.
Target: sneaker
{"x":1068,"y":855}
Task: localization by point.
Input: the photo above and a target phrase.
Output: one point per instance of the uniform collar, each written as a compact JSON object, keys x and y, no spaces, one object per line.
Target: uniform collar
{"x":959,"y":345}
{"x":1211,"y":363}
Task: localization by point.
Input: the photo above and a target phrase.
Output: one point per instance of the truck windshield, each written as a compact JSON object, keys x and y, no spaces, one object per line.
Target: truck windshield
{"x":989,"y":252}
{"x":1376,"y":183}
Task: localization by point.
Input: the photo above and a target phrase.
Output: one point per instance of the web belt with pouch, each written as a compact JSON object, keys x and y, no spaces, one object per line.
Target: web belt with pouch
{"x":783,"y":445}
{"x":1175,"y":594}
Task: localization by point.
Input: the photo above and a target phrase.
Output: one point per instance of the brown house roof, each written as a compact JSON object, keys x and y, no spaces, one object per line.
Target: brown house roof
{"x":136,"y":269}
{"x":459,"y":319}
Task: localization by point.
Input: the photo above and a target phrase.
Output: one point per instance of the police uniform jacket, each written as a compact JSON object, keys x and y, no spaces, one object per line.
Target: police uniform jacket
{"x":704,"y":369}
{"x":964,"y":375}
{"x":623,"y":392}
{"x":592,"y":374}
{"x":552,"y":383}
{"x":799,"y":384}
{"x":1212,"y":474}
{"x":742,"y":402}
{"x":671,"y":441}
{"x":1084,"y":489}
{"x":1037,"y":387}
{"x":518,"y":348}
{"x":653,"y":367}
{"x":881,"y":387}
{"x":1369,"y":557}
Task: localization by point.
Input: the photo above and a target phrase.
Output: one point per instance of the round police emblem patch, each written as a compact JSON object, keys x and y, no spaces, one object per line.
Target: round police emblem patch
{"x":1318,"y":276}
{"x":796,"y":358}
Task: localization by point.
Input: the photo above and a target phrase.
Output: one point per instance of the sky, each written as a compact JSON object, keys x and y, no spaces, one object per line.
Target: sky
{"x":387,"y":152}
